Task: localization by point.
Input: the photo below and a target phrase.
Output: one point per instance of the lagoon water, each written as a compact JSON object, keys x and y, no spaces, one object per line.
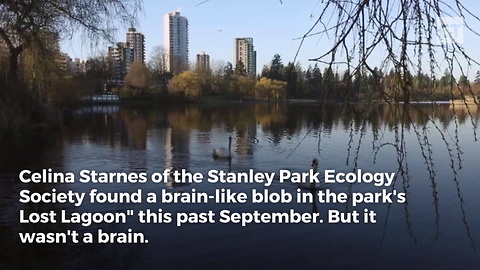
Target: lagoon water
{"x":432,"y":151}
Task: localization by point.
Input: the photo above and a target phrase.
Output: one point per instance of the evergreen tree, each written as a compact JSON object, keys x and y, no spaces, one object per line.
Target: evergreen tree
{"x":477,"y":77}
{"x":328,"y":83}
{"x":463,"y":81}
{"x":265,"y":71}
{"x":228,"y":71}
{"x":276,"y":68}
{"x":290,"y":76}
{"x":314,"y":80}
{"x":240,"y":69}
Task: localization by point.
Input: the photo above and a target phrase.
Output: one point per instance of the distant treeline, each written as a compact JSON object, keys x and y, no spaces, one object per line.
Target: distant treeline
{"x":279,"y":81}
{"x":276,"y":81}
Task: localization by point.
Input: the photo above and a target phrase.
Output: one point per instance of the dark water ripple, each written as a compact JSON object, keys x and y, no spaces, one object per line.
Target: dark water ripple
{"x":439,"y":227}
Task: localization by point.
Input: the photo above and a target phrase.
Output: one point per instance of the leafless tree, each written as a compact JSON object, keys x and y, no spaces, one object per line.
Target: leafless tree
{"x":30,"y":23}
{"x":158,"y":60}
{"x":410,"y":34}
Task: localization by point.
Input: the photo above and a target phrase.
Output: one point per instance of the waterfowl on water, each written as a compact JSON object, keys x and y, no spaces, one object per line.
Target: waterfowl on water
{"x":224,"y":152}
{"x":312,"y":186}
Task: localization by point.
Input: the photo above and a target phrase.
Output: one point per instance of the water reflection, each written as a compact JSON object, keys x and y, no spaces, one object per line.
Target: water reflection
{"x":276,"y":122}
{"x":430,"y":147}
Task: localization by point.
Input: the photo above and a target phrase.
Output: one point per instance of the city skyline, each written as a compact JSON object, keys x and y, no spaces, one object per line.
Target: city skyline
{"x":276,"y":28}
{"x":213,"y":29}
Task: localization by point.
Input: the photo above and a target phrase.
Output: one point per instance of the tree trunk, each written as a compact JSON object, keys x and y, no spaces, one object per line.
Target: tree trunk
{"x":13,"y":67}
{"x":13,"y":53}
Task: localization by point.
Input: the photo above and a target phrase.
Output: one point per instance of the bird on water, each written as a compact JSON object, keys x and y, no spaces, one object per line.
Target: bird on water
{"x":224,"y":152}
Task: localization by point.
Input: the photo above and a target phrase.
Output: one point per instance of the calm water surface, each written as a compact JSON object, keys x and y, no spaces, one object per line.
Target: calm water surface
{"x":438,"y":227}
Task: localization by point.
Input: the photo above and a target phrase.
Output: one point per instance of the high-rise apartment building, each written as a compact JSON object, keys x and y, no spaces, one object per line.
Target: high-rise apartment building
{"x":175,"y":29}
{"x":203,"y":61}
{"x":120,"y":59}
{"x":243,"y":51}
{"x":63,"y":61}
{"x":136,"y":41}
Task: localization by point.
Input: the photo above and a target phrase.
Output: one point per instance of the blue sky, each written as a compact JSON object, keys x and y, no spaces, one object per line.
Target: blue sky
{"x":214,"y":25}
{"x":273,"y":26}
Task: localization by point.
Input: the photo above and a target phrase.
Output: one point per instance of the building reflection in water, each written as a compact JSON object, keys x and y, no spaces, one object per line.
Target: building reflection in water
{"x":177,"y":151}
{"x":127,"y":138}
{"x":245,"y":140}
{"x":134,"y":130}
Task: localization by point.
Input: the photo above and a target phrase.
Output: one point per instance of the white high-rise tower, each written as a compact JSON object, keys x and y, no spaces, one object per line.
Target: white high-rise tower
{"x":175,"y":29}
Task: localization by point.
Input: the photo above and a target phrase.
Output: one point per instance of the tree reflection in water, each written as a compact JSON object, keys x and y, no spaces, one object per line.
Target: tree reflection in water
{"x":279,"y":122}
{"x":273,"y":135}
{"x":422,"y":120}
